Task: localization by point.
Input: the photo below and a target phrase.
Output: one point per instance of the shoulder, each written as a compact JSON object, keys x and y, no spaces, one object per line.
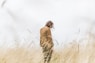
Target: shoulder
{"x":45,"y":28}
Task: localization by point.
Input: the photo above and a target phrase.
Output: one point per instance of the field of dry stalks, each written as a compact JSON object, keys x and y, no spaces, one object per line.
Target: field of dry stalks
{"x":74,"y":52}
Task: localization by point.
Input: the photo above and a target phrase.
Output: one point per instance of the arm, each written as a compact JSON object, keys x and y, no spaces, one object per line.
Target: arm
{"x":49,"y":36}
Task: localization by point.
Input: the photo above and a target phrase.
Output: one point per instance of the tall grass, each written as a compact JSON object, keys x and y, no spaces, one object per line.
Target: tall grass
{"x":72,"y":53}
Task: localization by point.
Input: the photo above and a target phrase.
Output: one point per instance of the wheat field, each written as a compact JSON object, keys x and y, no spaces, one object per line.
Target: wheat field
{"x":72,"y":53}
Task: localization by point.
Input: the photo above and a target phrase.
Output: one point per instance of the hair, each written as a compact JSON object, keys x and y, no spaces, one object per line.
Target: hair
{"x":49,"y":24}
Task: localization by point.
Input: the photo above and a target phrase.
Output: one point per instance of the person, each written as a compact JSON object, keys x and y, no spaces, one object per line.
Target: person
{"x":46,"y":41}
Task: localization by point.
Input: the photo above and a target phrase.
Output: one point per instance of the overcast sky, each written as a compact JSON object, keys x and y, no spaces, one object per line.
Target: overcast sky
{"x":21,"y":20}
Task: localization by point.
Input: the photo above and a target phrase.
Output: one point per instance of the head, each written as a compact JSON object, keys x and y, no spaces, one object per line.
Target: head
{"x":49,"y":24}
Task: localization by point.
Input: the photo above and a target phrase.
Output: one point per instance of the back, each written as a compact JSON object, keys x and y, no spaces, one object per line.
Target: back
{"x":45,"y":36}
{"x":43,"y":32}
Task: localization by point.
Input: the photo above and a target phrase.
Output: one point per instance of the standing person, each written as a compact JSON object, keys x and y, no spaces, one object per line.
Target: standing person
{"x":46,"y":41}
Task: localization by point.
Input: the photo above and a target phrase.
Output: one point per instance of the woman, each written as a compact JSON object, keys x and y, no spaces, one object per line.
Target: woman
{"x":46,"y":41}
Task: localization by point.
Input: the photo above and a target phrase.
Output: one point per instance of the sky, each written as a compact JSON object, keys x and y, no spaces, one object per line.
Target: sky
{"x":21,"y":20}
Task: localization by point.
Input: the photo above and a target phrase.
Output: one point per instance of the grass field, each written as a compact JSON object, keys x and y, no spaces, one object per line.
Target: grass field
{"x":69,"y":54}
{"x":72,"y":53}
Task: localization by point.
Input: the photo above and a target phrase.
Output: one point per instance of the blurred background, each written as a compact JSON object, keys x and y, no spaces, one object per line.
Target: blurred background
{"x":21,"y":20}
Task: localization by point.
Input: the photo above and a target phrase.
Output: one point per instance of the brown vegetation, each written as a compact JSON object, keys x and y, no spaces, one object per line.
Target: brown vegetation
{"x":72,"y":53}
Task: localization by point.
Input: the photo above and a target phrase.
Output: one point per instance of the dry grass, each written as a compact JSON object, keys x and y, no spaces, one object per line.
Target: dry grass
{"x":69,"y":54}
{"x":72,"y":53}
